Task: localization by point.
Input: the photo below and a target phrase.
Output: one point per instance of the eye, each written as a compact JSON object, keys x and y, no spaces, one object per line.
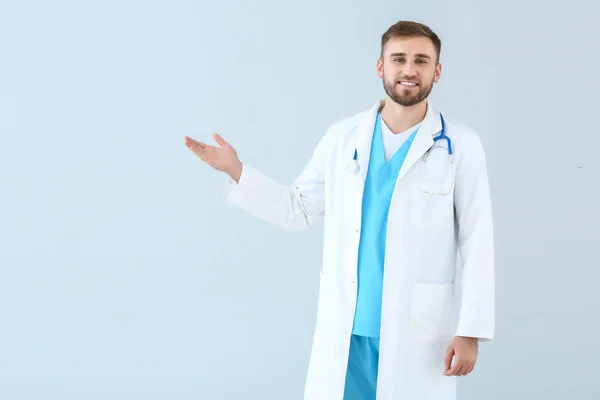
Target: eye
{"x":422,"y":61}
{"x":399,"y":59}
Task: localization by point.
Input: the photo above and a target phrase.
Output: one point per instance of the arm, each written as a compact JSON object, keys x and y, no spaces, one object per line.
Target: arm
{"x":292,"y":207}
{"x":476,"y":244}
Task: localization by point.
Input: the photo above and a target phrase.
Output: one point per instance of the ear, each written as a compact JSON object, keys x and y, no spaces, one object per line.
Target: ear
{"x":380,"y":68}
{"x":438,"y":73}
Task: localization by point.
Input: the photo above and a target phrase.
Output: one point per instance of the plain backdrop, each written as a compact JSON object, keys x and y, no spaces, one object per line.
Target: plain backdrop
{"x":123,"y":275}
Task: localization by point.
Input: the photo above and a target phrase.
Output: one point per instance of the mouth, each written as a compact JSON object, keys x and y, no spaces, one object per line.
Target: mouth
{"x":408,"y":84}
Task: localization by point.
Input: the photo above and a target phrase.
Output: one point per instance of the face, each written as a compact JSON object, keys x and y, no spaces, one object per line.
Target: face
{"x":408,"y":69}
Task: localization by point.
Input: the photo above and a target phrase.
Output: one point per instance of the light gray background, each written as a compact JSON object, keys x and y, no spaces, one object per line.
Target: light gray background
{"x":124,"y":276}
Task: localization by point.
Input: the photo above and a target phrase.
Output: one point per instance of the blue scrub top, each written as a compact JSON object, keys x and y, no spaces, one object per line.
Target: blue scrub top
{"x":379,"y":186}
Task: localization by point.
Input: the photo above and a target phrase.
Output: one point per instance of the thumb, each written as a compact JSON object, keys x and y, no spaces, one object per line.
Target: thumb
{"x":220,"y":141}
{"x":448,"y":360}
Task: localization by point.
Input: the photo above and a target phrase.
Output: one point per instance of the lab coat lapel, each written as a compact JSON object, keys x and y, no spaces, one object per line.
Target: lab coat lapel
{"x":365,"y":139}
{"x":430,"y":126}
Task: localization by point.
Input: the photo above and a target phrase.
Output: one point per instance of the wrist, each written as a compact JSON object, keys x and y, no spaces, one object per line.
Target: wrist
{"x":236,"y":172}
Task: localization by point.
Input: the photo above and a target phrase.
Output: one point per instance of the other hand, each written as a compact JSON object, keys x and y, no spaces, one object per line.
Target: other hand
{"x":223,"y":158}
{"x":463,"y":351}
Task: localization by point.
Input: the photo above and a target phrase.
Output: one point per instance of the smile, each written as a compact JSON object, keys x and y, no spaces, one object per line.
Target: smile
{"x":407,"y":83}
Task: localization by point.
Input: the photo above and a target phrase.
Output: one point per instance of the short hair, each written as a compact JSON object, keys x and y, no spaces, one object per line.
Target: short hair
{"x":411,"y":29}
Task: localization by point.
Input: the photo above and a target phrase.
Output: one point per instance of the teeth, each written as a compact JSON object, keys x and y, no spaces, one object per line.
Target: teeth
{"x":408,"y":83}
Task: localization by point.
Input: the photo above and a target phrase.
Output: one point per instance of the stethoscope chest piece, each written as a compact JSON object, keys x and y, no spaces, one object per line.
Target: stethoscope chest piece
{"x":352,"y":167}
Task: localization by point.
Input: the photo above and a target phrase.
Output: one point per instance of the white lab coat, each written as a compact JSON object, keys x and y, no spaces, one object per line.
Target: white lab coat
{"x":429,"y":237}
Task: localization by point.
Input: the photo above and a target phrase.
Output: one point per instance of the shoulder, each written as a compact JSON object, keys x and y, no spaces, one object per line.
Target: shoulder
{"x":467,"y":146}
{"x":464,"y":138}
{"x":345,"y":128}
{"x":347,"y":124}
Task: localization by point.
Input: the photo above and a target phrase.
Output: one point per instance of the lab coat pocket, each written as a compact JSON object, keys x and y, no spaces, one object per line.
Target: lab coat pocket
{"x":432,"y":196}
{"x":431,"y":317}
{"x":431,"y":212}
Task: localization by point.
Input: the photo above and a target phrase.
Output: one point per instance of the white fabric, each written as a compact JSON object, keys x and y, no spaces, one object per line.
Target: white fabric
{"x":392,"y":141}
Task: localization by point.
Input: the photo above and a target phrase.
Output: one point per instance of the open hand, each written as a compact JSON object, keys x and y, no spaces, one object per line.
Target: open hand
{"x":464,"y":352}
{"x":222,"y":158}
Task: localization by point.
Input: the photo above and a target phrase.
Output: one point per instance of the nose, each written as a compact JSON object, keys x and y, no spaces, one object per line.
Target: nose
{"x":409,"y":70}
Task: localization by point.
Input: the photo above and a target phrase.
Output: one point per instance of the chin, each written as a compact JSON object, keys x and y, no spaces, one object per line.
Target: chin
{"x":408,"y":101}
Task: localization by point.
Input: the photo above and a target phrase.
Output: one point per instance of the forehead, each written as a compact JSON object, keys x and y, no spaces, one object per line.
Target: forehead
{"x":410,"y":46}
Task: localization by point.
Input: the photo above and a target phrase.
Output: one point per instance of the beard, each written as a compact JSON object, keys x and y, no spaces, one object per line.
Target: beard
{"x":405,"y":96}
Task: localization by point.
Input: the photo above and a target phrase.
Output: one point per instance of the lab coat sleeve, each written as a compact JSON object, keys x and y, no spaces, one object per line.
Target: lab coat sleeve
{"x":476,"y":244}
{"x":293,"y":207}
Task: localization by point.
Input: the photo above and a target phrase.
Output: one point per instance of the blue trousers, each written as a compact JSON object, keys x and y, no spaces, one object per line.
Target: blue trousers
{"x":361,"y":374}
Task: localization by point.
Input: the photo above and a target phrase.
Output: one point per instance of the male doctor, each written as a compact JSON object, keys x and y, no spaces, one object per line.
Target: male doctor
{"x":404,"y":194}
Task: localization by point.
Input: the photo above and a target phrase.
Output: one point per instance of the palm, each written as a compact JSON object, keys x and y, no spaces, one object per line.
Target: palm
{"x":218,"y":157}
{"x":222,"y":157}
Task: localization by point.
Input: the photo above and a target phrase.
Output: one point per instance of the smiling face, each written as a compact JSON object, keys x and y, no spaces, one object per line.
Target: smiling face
{"x":409,"y":67}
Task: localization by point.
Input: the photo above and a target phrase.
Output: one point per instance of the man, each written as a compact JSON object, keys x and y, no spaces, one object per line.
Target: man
{"x":399,"y":206}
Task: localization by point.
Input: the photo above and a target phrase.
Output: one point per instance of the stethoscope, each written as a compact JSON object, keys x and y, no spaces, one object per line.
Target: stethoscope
{"x":353,"y":166}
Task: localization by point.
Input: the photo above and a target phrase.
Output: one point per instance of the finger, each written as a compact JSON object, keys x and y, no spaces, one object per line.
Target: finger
{"x":454,"y":369}
{"x":191,"y":142}
{"x":197,"y":150}
{"x":461,"y":370}
{"x":470,"y":368}
{"x":448,"y":360}
{"x":220,"y":141}
{"x":458,"y":367}
{"x":204,"y":153}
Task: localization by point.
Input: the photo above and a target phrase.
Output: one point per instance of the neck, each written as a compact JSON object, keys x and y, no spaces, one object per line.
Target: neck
{"x":399,"y":118}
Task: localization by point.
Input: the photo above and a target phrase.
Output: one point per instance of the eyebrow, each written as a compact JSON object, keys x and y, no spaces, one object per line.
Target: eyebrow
{"x":404,"y":55}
